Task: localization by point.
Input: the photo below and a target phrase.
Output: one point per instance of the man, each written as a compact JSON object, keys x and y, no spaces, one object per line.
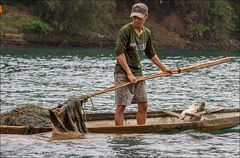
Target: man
{"x":134,"y":40}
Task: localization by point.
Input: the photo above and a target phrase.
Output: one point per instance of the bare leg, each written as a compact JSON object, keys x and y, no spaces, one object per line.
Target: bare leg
{"x":142,"y":113}
{"x":119,"y":115}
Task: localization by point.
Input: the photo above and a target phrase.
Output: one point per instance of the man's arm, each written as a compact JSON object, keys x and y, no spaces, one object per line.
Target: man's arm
{"x":159,"y":64}
{"x":123,"y":62}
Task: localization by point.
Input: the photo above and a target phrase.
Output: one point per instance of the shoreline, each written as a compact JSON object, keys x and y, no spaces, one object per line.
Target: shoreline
{"x":194,"y":46}
{"x":16,"y":38}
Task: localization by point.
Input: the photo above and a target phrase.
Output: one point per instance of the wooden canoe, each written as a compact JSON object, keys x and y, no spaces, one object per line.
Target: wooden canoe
{"x":157,"y":122}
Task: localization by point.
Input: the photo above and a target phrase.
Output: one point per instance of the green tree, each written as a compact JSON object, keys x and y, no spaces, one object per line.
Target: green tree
{"x":81,"y":16}
{"x":216,"y":15}
{"x":220,"y":19}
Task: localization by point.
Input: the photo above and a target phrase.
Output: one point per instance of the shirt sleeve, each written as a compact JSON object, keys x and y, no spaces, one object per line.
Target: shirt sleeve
{"x":150,"y":51}
{"x":122,"y":41}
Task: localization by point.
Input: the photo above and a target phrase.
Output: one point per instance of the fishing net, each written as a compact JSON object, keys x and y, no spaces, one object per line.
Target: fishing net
{"x":26,"y":115}
{"x":68,"y":117}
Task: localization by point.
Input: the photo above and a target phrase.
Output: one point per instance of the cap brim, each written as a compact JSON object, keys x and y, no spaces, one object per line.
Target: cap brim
{"x":140,"y":15}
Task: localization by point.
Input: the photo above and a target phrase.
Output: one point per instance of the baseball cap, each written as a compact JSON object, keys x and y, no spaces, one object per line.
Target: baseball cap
{"x":139,"y":10}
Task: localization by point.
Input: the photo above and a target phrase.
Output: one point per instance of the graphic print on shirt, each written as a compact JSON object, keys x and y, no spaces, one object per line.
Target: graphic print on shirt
{"x":138,"y":48}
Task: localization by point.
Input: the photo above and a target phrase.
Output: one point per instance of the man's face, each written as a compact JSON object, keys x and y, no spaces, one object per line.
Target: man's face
{"x":139,"y":22}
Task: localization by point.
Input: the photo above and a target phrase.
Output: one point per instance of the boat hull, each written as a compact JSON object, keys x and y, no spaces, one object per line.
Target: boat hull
{"x":157,"y":122}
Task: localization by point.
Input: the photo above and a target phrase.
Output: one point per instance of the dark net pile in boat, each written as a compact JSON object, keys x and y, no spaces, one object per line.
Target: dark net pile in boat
{"x":68,"y":116}
{"x":26,"y":115}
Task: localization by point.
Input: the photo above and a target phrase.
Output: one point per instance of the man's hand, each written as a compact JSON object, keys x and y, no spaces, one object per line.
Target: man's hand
{"x":168,"y":71}
{"x":132,"y":78}
{"x":157,"y":62}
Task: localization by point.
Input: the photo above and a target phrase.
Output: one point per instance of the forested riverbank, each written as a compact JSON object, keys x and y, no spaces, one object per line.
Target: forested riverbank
{"x":180,"y":24}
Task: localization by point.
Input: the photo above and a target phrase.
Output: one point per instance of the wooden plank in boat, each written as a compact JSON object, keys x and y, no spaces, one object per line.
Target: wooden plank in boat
{"x":171,"y":113}
{"x":128,"y":115}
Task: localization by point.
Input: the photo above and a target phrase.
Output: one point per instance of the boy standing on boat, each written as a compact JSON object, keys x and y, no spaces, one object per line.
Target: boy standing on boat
{"x":134,"y":40}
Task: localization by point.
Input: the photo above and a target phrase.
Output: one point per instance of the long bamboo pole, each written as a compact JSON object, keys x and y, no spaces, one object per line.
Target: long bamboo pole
{"x":164,"y":74}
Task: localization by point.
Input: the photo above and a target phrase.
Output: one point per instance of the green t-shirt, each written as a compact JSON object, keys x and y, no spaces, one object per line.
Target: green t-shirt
{"x":134,"y":48}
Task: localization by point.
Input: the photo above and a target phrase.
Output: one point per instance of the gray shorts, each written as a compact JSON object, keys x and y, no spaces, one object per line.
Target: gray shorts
{"x":131,"y":94}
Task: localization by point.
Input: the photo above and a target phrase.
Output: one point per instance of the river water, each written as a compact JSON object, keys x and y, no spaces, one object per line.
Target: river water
{"x":47,"y":77}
